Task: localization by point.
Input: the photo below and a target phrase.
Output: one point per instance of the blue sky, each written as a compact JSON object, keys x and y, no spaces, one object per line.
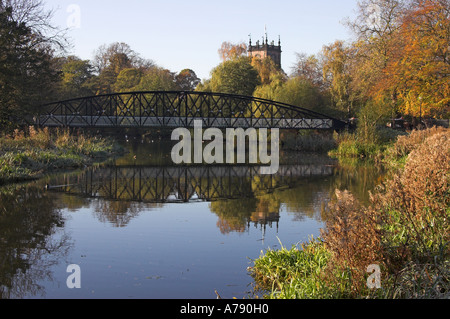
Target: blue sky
{"x":179,"y":34}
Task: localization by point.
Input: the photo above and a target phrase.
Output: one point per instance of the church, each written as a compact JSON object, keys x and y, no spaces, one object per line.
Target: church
{"x":264,"y":49}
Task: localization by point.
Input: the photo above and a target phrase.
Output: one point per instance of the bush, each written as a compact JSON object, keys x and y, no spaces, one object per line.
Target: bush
{"x":415,"y":201}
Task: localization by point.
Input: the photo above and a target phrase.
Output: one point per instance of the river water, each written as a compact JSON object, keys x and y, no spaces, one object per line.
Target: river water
{"x":138,"y":227}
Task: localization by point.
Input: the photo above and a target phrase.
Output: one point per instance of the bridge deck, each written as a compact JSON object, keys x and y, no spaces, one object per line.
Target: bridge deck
{"x":173,"y":122}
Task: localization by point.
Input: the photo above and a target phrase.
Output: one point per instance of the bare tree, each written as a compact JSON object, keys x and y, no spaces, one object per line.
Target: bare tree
{"x":37,"y":17}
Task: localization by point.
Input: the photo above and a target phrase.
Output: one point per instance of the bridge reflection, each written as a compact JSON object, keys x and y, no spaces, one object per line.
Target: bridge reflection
{"x":181,"y":184}
{"x":238,"y":195}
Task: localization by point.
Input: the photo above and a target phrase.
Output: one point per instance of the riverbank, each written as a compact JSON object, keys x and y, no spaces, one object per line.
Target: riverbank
{"x":30,"y":155}
{"x":404,"y":230}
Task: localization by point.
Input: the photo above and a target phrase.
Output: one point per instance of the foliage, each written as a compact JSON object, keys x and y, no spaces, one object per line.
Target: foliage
{"x":404,"y":229}
{"x":76,"y":76}
{"x":336,"y":72}
{"x":187,"y":80}
{"x":236,"y":76}
{"x":230,"y":51}
{"x":418,"y":69}
{"x":294,"y":273}
{"x":267,"y":69}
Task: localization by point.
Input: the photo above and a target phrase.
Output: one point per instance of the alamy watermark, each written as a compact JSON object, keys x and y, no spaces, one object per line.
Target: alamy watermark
{"x":229,"y":149}
{"x":74,"y":18}
{"x":74,"y":279}
{"x":374,"y":280}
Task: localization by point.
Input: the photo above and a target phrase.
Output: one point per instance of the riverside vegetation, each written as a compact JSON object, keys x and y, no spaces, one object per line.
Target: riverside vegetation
{"x":29,"y":154}
{"x":404,"y":230}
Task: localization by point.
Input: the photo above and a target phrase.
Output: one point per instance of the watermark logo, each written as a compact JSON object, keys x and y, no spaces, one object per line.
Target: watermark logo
{"x":74,"y":279}
{"x":374,"y":280}
{"x":374,"y":16}
{"x":74,"y":19}
{"x":230,"y":149}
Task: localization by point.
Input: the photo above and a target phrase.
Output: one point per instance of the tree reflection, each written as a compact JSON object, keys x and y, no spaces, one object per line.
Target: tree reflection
{"x":238,"y":195}
{"x":32,"y":240}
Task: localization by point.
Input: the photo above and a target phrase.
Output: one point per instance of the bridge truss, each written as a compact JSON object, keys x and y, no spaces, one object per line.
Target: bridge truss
{"x":180,"y":109}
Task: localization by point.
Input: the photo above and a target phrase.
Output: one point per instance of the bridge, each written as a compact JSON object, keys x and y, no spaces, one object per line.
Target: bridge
{"x":163,"y":109}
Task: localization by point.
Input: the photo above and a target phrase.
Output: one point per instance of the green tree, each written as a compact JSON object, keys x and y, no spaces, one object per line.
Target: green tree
{"x":76,"y":75}
{"x":337,"y":74}
{"x":236,"y":76}
{"x":128,"y":80}
{"x":157,"y":79}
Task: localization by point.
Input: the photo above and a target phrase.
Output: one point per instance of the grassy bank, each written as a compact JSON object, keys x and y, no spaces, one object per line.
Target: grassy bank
{"x":405,"y":230}
{"x":29,"y":155}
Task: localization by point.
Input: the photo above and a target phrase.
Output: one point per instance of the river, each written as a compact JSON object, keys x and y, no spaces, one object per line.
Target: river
{"x":138,"y":227}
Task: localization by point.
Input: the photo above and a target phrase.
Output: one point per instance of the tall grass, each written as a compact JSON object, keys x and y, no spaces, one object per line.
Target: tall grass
{"x":29,"y":153}
{"x":405,"y":230}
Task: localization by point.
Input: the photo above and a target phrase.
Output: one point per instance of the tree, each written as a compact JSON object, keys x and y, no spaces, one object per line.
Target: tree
{"x":111,"y":60}
{"x":75,"y":77}
{"x":309,"y":68}
{"x":230,"y":51}
{"x":26,"y":70}
{"x":35,"y":16}
{"x":128,"y":80}
{"x":187,"y":80}
{"x":236,"y":76}
{"x":336,"y":73}
{"x":267,"y":69}
{"x":301,"y":92}
{"x":157,"y":79}
{"x":113,"y":56}
{"x":419,"y":69}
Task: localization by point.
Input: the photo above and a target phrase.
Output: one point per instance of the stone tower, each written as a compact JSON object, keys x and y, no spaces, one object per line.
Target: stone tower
{"x":264,"y":50}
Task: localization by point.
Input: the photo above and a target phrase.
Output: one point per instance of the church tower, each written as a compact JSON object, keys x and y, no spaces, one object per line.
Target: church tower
{"x":264,"y":50}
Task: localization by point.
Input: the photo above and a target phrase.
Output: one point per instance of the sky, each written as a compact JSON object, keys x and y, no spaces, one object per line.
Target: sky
{"x":178,"y":34}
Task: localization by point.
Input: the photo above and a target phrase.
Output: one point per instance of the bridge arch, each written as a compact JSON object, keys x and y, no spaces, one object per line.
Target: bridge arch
{"x":152,"y":109}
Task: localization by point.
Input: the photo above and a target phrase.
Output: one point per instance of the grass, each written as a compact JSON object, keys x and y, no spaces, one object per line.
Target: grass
{"x":404,"y":229}
{"x":29,"y":155}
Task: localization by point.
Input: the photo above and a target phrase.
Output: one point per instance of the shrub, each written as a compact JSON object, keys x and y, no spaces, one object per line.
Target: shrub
{"x":416,"y":200}
{"x":353,"y":238}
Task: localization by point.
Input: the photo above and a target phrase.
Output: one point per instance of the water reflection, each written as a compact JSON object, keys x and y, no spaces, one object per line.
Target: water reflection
{"x":34,"y":239}
{"x":31,"y":240}
{"x":238,"y":194}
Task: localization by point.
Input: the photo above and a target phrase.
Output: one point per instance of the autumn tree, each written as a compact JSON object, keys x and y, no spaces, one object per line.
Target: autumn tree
{"x":230,"y":51}
{"x":419,"y":69}
{"x":267,"y":69}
